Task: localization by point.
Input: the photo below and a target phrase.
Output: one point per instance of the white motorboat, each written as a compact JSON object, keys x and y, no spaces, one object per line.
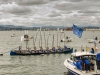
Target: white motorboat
{"x":72,"y":68}
{"x":68,"y":39}
{"x":13,"y":35}
{"x":92,"y":41}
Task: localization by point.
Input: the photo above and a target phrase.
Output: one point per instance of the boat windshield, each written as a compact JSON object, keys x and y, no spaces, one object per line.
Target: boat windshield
{"x":90,"y":57}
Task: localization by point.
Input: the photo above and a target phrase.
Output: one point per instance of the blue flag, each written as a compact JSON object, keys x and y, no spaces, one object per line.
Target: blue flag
{"x":77,"y":30}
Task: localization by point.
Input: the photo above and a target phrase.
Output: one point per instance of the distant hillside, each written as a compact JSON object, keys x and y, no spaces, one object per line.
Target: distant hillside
{"x":12,"y":27}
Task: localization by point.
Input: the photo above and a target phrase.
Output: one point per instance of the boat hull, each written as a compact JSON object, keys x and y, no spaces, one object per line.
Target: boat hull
{"x":20,"y":52}
{"x":72,"y":72}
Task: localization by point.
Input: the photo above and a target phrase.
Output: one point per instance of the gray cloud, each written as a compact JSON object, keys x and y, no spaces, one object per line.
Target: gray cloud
{"x":54,"y":14}
{"x":50,"y":12}
{"x":32,"y":2}
{"x":14,"y":9}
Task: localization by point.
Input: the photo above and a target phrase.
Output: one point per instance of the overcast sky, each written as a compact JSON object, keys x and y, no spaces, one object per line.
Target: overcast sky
{"x":50,"y":12}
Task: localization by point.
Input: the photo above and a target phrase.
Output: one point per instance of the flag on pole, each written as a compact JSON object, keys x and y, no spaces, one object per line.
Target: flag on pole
{"x":77,"y":31}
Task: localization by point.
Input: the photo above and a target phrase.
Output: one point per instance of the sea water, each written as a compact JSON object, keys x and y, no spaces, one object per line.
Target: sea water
{"x":48,"y":64}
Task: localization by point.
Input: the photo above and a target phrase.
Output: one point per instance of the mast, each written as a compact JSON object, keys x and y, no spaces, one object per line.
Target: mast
{"x":48,"y":38}
{"x":44,"y":38}
{"x":26,"y":38}
{"x":53,"y":40}
{"x":57,"y":36}
{"x":33,"y":42}
{"x":40,"y":37}
{"x":64,"y":37}
{"x":60,"y":36}
{"x":36,"y":35}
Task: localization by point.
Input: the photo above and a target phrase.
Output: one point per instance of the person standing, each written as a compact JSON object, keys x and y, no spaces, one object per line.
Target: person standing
{"x":87,"y":64}
{"x":19,"y":47}
{"x":92,"y":51}
{"x":78,"y":65}
{"x":98,"y":61}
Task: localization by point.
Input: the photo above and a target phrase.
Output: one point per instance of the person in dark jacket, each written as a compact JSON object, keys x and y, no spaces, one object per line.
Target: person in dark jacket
{"x":78,"y":65}
{"x":96,"y":38}
{"x":54,"y":49}
{"x":87,"y":64}
{"x":59,"y":49}
{"x":98,"y":61}
{"x":65,"y":47}
{"x":92,"y":51}
{"x":19,"y":47}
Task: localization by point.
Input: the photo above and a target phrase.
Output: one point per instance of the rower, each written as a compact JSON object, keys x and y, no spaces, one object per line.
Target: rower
{"x":48,"y":49}
{"x":59,"y":49}
{"x":19,"y":47}
{"x":29,"y":50}
{"x":54,"y":49}
{"x":41,"y":49}
{"x":65,"y":47}
{"x":35,"y":51}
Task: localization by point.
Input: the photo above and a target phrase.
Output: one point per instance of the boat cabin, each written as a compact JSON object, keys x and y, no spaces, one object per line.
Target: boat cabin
{"x":82,"y":55}
{"x":26,"y":37}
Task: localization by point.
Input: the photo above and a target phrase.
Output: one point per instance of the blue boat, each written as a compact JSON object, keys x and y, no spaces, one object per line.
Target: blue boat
{"x":39,"y":52}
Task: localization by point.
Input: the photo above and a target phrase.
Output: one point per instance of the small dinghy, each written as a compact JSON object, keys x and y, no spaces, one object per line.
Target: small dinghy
{"x":92,"y":40}
{"x":68,"y":39}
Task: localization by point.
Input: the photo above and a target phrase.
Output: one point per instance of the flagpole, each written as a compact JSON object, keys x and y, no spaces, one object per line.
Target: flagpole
{"x":77,"y":31}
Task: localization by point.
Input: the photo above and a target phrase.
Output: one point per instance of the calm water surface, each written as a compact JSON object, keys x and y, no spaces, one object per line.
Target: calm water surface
{"x":51,"y":64}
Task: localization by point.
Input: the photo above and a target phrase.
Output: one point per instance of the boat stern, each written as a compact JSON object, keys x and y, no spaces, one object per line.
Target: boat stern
{"x":12,"y":53}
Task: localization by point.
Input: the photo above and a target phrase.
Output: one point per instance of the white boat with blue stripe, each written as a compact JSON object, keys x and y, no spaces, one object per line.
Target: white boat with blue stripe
{"x":72,"y":68}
